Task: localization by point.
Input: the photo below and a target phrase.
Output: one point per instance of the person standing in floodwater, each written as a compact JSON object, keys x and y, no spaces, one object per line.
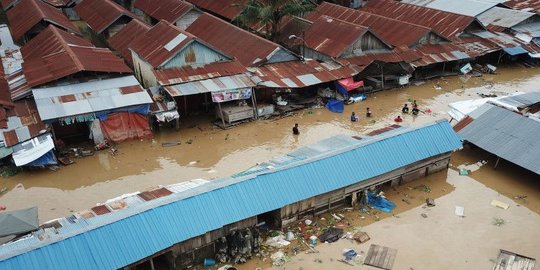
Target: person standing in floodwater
{"x":295,"y":130}
{"x":368,"y":112}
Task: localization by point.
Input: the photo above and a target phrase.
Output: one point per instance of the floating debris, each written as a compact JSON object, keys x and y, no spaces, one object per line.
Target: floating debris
{"x":423,"y":188}
{"x":498,"y":221}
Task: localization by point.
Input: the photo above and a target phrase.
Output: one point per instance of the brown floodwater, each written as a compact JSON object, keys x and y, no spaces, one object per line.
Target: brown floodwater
{"x":208,"y":152}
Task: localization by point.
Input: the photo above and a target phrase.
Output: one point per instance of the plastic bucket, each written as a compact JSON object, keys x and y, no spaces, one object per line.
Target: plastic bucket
{"x":209,"y":262}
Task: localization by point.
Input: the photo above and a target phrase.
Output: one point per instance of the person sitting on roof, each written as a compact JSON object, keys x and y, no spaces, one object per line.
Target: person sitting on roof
{"x":405,"y":109}
{"x":354,"y":117}
{"x":398,"y":119}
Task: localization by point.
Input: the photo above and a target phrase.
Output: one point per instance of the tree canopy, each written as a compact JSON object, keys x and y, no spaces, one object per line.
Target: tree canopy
{"x":269,"y":14}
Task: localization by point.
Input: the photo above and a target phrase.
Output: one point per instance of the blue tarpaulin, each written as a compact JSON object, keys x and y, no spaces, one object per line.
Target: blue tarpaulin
{"x":141,"y":109}
{"x":335,"y":106}
{"x":341,"y":89}
{"x":48,"y":159}
{"x":380,"y":203}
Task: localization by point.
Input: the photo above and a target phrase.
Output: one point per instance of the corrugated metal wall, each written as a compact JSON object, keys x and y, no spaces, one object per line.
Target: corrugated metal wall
{"x":195,"y":54}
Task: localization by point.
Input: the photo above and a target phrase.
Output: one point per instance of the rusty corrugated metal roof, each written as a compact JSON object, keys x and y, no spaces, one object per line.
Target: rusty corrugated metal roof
{"x":50,"y":41}
{"x":228,"y":9}
{"x":54,"y":56}
{"x":331,"y":36}
{"x":529,"y":5}
{"x":169,"y":10}
{"x":28,"y":13}
{"x":23,"y":122}
{"x":6,"y":4}
{"x":298,"y":74}
{"x":188,"y":73}
{"x":233,"y":82}
{"x":123,"y":38}
{"x":160,"y":43}
{"x":388,"y":29}
{"x":248,"y":48}
{"x":447,"y":24}
{"x":100,"y":14}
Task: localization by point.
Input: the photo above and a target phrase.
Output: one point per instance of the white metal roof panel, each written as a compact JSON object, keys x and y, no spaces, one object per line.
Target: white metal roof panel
{"x":504,"y":17}
{"x":90,"y":97}
{"x":464,"y":7}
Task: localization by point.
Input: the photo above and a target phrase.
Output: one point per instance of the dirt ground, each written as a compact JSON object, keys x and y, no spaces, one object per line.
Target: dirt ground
{"x":209,"y":153}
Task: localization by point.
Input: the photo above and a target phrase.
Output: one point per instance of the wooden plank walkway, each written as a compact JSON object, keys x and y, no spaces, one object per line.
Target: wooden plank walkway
{"x":381,"y":257}
{"x":509,"y":261}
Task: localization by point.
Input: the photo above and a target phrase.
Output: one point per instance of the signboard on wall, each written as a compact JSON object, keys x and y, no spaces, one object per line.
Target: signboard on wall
{"x":228,"y":95}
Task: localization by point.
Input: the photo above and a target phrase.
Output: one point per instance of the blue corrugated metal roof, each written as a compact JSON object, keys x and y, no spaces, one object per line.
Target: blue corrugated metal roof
{"x":120,"y":238}
{"x":515,"y":50}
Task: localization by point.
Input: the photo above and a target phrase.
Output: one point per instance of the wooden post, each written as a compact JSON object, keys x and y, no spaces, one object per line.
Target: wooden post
{"x":500,"y":56}
{"x":496,"y":163}
{"x":382,"y":76}
{"x":205,"y":102}
{"x":177,"y":123}
{"x":443,"y":67}
{"x":152,"y":264}
{"x":254,"y":103}
{"x":221,"y":114}
{"x":185,"y":106}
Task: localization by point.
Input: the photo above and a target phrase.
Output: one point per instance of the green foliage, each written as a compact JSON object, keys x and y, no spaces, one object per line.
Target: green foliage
{"x":269,"y":14}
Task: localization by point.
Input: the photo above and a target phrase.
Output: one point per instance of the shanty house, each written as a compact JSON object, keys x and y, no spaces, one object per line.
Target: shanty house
{"x":177,"y":12}
{"x":329,"y":38}
{"x":508,"y":135}
{"x":29,"y":17}
{"x":388,"y":29}
{"x":450,"y":25}
{"x":166,"y":46}
{"x":55,"y":55}
{"x":109,"y":110}
{"x":105,"y":17}
{"x":250,"y":49}
{"x":192,"y":216}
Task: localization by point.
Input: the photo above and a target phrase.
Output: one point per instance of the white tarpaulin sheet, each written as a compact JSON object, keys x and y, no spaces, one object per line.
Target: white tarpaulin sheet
{"x":28,"y":151}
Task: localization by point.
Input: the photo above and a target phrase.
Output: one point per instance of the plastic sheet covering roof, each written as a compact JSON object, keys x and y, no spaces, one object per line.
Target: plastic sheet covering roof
{"x":504,"y":17}
{"x":388,"y":29}
{"x":240,"y":81}
{"x":89,"y":97}
{"x":465,"y":7}
{"x":101,"y":242}
{"x":28,"y":13}
{"x":122,"y":40}
{"x":100,"y":14}
{"x":162,"y":42}
{"x":169,"y":10}
{"x":27,"y":152}
{"x":55,"y":54}
{"x":530,"y":5}
{"x":188,"y":73}
{"x":18,"y":221}
{"x":445,"y":23}
{"x":298,"y":74}
{"x":248,"y":48}
{"x":506,"y":134}
{"x":332,"y":36}
{"x":23,"y":123}
{"x":228,"y":9}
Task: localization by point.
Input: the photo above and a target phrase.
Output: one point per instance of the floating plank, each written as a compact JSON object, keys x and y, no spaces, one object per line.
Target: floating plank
{"x":508,"y":261}
{"x":499,"y":204}
{"x":381,"y":257}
